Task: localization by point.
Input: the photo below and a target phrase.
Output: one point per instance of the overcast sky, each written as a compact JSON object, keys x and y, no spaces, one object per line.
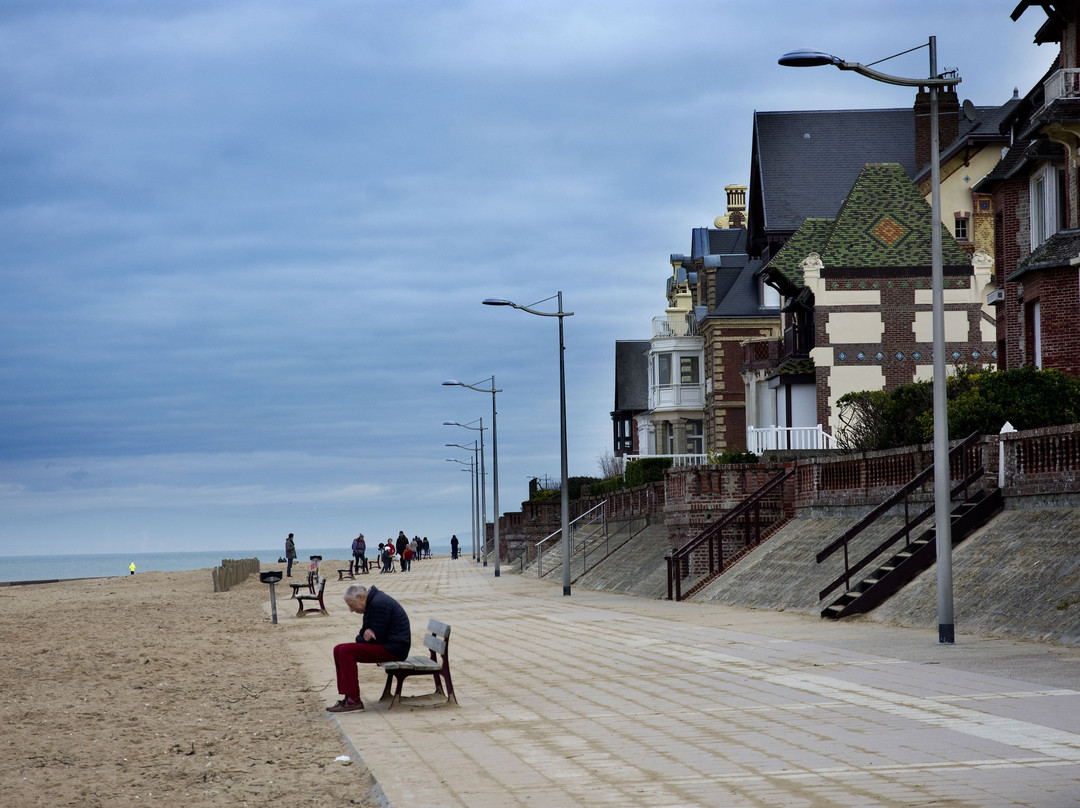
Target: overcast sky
{"x":243,"y":243}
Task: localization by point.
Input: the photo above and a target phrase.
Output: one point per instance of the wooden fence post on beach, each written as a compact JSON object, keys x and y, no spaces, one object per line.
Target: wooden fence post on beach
{"x":232,"y":572}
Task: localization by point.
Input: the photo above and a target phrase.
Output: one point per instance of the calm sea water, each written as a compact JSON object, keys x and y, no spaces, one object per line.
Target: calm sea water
{"x":103,"y":565}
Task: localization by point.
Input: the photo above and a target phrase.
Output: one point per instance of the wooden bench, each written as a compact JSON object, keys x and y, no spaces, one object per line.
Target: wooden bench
{"x":437,"y":641}
{"x":346,"y":573}
{"x":316,"y":596}
{"x":309,"y":585}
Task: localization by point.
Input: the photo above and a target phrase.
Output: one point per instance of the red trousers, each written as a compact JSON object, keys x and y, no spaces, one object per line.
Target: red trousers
{"x":347,"y":655}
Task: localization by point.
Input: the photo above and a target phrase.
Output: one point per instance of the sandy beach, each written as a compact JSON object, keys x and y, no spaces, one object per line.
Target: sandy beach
{"x":153,"y":690}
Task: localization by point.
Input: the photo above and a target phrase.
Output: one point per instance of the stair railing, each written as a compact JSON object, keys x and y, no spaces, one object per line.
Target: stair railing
{"x":595,"y":516}
{"x":713,"y":535}
{"x":960,"y":455}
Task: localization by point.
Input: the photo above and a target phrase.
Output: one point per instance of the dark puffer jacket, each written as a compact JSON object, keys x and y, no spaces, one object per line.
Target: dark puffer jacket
{"x":388,"y":620}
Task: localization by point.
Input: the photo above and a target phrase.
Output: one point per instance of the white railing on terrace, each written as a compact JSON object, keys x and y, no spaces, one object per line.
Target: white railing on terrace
{"x":1063,"y":83}
{"x":682,"y":325}
{"x":771,"y":438}
{"x":676,"y":459}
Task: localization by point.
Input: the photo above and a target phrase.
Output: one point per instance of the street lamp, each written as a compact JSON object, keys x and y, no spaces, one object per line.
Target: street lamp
{"x":494,"y":457}
{"x":562,"y":422}
{"x":475,"y":449}
{"x":942,"y":493}
{"x":483,"y":476}
{"x":474,"y":503}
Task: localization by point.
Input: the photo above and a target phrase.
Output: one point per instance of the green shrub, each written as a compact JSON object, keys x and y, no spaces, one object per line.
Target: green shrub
{"x":608,"y":486}
{"x":979,"y":400}
{"x":982,"y":401}
{"x":645,"y":470}
{"x":732,"y":456}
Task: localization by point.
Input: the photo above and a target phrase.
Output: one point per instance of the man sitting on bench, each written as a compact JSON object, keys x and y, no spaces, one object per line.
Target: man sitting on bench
{"x":384,"y":636}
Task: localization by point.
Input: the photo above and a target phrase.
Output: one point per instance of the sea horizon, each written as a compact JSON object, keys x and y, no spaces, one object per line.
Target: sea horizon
{"x":67,"y":566}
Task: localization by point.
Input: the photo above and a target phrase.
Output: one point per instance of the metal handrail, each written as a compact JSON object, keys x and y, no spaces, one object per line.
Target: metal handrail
{"x":716,"y":529}
{"x":899,"y":496}
{"x":573,"y":527}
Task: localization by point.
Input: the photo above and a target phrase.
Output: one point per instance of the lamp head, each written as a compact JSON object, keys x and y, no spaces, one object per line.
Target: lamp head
{"x":808,"y":58}
{"x":450,"y":423}
{"x":498,"y":301}
{"x":451,"y":383}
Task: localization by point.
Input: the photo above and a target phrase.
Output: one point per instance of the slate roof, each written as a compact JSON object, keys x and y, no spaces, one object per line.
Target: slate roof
{"x":884,"y":223}
{"x":1060,"y":250}
{"x":803,"y":163}
{"x":738,"y":295}
{"x":631,"y":375}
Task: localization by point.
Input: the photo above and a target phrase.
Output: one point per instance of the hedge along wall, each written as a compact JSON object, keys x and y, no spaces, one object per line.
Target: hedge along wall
{"x":232,"y":572}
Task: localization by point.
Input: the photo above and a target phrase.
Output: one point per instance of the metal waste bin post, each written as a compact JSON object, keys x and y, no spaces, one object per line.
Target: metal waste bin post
{"x":271,"y":578}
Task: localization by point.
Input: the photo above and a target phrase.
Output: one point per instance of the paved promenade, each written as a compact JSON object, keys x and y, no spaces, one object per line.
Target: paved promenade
{"x":610,"y":700}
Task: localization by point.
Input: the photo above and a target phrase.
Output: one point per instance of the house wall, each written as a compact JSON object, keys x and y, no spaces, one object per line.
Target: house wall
{"x":1056,"y":291}
{"x":726,"y":397}
{"x":876,"y":332}
{"x":958,"y":177}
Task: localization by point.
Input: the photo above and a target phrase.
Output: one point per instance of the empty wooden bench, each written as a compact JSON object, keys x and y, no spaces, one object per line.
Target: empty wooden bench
{"x":437,"y":665}
{"x":309,"y":585}
{"x":345,"y":573}
{"x":313,"y":598}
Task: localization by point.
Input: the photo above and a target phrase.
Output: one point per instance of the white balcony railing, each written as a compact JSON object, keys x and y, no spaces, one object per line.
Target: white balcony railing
{"x":771,"y":438}
{"x":677,"y":460}
{"x":1063,"y":83}
{"x":677,"y":396}
{"x":676,"y":325}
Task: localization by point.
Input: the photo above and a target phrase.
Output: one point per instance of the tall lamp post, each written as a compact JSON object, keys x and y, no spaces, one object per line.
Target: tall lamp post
{"x":483,"y":479}
{"x":942,"y":493}
{"x":494,"y":457}
{"x":474,"y":500}
{"x":475,"y":449}
{"x":562,"y":423}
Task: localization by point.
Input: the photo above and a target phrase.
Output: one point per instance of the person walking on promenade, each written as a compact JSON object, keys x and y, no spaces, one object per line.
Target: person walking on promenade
{"x":290,"y":555}
{"x":359,"y":554}
{"x":406,"y":558}
{"x":402,"y":542}
{"x":453,"y":546}
{"x":415,"y":545}
{"x":384,"y":636}
{"x":427,"y":547}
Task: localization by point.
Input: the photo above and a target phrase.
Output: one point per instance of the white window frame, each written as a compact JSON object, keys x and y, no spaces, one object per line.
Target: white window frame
{"x":1036,"y":331}
{"x":695,"y":436}
{"x":1043,"y":196}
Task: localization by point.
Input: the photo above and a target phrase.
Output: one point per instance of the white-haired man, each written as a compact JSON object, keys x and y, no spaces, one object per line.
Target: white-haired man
{"x":385,"y":635}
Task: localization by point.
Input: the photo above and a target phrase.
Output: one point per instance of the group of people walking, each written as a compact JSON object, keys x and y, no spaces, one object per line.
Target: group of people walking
{"x":403,"y":548}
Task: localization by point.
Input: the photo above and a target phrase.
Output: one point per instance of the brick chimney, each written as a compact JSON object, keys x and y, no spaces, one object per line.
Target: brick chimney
{"x":948,"y":122}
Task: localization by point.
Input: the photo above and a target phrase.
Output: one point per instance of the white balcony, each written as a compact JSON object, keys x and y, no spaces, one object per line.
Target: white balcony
{"x":677,"y":397}
{"x":1061,"y":84}
{"x":675,"y":325}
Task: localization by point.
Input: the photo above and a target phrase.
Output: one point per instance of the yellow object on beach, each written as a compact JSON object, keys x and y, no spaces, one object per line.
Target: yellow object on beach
{"x":132,"y":568}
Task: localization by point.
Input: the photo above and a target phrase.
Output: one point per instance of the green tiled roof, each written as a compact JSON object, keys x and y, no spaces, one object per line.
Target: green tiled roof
{"x":794,"y":367}
{"x":810,"y":237}
{"x":884,"y":222}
